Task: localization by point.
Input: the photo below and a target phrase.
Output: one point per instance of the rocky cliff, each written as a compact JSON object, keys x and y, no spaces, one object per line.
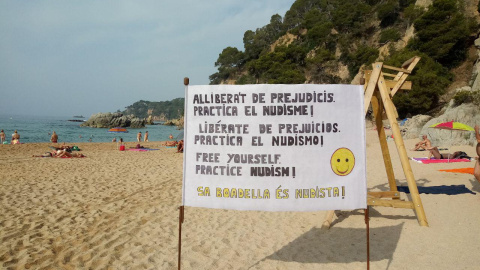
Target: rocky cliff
{"x":110,"y":120}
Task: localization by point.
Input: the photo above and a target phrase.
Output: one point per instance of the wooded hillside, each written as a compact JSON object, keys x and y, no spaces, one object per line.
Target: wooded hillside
{"x":329,"y":41}
{"x":163,"y":110}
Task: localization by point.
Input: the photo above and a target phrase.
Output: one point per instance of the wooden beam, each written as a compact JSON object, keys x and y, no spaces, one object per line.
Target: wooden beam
{"x":390,"y":75}
{"x":390,"y":203}
{"x":384,"y":194}
{"x":397,"y":69}
{"x":328,"y":219}
{"x":406,"y":63}
{"x":406,"y":85}
{"x":402,"y":152}
{"x":377,"y":107}
{"x":403,"y":77}
{"x":372,"y":84}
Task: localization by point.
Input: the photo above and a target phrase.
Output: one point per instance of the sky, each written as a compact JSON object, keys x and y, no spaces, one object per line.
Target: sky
{"x":65,"y":58}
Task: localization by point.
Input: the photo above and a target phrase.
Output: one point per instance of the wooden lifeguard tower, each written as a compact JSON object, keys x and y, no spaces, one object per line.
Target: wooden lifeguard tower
{"x":378,"y":94}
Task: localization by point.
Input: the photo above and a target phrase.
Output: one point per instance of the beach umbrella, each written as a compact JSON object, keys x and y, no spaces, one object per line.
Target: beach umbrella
{"x":118,"y":130}
{"x":452,"y":126}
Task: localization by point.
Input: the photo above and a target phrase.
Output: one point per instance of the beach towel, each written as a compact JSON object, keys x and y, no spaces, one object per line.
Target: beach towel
{"x":142,"y":149}
{"x":440,"y":149}
{"x":460,"y":170}
{"x":428,"y":161}
{"x":58,"y":157}
{"x":448,"y":190}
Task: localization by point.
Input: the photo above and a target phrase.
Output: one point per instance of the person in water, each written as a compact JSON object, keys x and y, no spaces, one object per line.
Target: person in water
{"x":15,"y":137}
{"x":54,"y":137}
{"x":145,"y":139}
{"x":139,"y":136}
{"x":2,"y":136}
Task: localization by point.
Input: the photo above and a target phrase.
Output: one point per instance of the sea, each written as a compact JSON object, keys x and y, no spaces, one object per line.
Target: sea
{"x":37,"y":129}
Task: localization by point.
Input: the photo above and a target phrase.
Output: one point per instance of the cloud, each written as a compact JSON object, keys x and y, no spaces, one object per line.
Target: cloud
{"x":109,"y":54}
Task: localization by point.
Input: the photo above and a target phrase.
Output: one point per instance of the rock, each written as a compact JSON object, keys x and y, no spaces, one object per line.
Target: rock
{"x":150,"y":120}
{"x":110,"y":120}
{"x":413,"y":126}
{"x":175,"y":122}
{"x":468,"y":114}
{"x":477,"y":43}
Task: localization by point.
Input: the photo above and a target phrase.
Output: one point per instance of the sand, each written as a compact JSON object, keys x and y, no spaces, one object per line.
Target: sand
{"x":119,"y":210}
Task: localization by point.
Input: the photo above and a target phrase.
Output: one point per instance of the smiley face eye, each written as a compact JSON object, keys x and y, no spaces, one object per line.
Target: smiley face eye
{"x":346,"y":159}
{"x":338,"y":160}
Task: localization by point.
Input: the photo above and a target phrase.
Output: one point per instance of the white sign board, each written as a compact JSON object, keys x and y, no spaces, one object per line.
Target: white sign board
{"x":275,"y":147}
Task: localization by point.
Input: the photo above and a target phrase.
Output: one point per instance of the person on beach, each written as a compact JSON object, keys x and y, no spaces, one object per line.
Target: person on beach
{"x":437,"y":155}
{"x":114,"y":139}
{"x":145,"y":139}
{"x":139,"y":136}
{"x":170,"y":137}
{"x":64,"y":147}
{"x":65,"y":153}
{"x":60,"y":153}
{"x":54,"y":137}
{"x":2,"y":136}
{"x":180,"y":147}
{"x":425,"y":144}
{"x":476,"y":169}
{"x":15,"y":137}
{"x":170,"y":143}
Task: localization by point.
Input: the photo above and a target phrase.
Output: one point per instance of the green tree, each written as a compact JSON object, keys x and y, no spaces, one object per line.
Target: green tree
{"x":228,"y":63}
{"x":442,"y":33}
{"x":312,"y":18}
{"x":276,"y":67}
{"x":320,"y":66}
{"x":429,"y":81}
{"x":258,"y":42}
{"x":390,"y":34}
{"x":172,"y":109}
{"x":411,"y":13}
{"x":363,"y":55}
{"x":296,"y":14}
{"x":388,"y":13}
{"x":319,"y":35}
{"x":349,"y":16}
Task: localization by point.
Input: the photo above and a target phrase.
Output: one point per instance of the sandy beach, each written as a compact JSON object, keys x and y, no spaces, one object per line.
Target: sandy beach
{"x":119,"y":210}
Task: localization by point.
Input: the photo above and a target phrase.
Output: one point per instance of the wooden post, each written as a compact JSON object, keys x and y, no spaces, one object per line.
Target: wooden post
{"x":328,"y":219}
{"x":378,"y":111}
{"x":181,"y":214}
{"x":372,"y":84}
{"x":181,"y":217}
{"x":412,"y":185}
{"x":367,"y":222}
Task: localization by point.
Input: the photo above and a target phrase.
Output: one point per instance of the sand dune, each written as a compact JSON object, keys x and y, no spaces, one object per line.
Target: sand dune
{"x":119,"y":210}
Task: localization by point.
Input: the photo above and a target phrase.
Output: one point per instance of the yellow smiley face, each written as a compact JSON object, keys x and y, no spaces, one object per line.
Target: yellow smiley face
{"x":342,"y":161}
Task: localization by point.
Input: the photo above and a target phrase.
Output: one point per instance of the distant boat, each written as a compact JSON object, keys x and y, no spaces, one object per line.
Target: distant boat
{"x":118,"y":130}
{"x":78,"y":116}
{"x":76,"y":120}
